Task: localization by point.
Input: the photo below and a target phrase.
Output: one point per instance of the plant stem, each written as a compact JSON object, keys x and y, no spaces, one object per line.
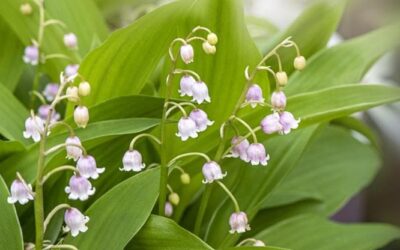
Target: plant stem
{"x":164,"y":161}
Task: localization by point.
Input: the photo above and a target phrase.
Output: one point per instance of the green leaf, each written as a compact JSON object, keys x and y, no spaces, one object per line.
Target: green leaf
{"x":306,"y":28}
{"x":7,"y":148}
{"x":11,"y":64}
{"x":345,"y":63}
{"x":160,"y":233}
{"x":327,"y":104}
{"x":335,"y":167}
{"x":11,"y":235}
{"x":312,"y":232}
{"x":119,"y":214}
{"x":13,"y":115}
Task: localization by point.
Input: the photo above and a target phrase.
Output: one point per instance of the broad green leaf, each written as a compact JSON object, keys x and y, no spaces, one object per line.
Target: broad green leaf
{"x":160,"y":233}
{"x":345,"y":63}
{"x":306,"y":28}
{"x":284,"y":151}
{"x":335,"y":167}
{"x":11,"y":235}
{"x":12,"y":116}
{"x":87,"y":24}
{"x":119,"y":214}
{"x":11,"y":64}
{"x":312,"y":232}
{"x":327,"y":104}
{"x":8,"y":148}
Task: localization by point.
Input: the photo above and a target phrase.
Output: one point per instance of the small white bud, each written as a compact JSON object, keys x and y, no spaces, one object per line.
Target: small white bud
{"x":185,"y":178}
{"x":174,"y":198}
{"x":212,"y":38}
{"x":282,"y":78}
{"x":81,"y":116}
{"x":26,"y":9}
{"x":208,"y":48}
{"x":72,"y":93}
{"x":84,"y":89}
{"x":299,"y":63}
{"x":71,"y":41}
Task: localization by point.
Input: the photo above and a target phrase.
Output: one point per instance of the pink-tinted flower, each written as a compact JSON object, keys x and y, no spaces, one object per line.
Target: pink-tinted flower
{"x":186,"y":85}
{"x":43,"y":113}
{"x":254,"y":95}
{"x":288,"y":122}
{"x":73,"y":152}
{"x":212,"y":171}
{"x":31,"y":55}
{"x":20,"y":192}
{"x":50,"y":91}
{"x":271,"y":124}
{"x":256,"y":154}
{"x":239,"y":148}
{"x":200,"y":92}
{"x":79,"y":188}
{"x":71,"y":70}
{"x":132,"y":161}
{"x":186,"y":128}
{"x":87,"y":167}
{"x":187,"y":53}
{"x":70,"y":40}
{"x":81,"y":116}
{"x":201,"y":119}
{"x":34,"y":127}
{"x":75,"y":221}
{"x":278,"y":100}
{"x":169,"y":209}
{"x":239,"y":223}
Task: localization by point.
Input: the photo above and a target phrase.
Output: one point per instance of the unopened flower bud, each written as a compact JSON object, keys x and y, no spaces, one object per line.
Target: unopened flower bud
{"x":84,"y":88}
{"x":72,"y":93}
{"x":26,"y":9}
{"x":185,"y":178}
{"x":278,"y":100}
{"x":174,"y":198}
{"x":212,"y":38}
{"x":299,"y":63}
{"x":81,"y":116}
{"x":239,"y":223}
{"x":70,"y":40}
{"x":187,"y":53}
{"x":282,"y":78}
{"x":208,"y":48}
{"x":169,"y":209}
{"x":75,"y":221}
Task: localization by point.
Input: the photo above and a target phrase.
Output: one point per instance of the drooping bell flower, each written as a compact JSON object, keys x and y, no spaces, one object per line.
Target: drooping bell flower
{"x":271,"y":124}
{"x":299,"y":63}
{"x":239,"y":148}
{"x":20,"y":192}
{"x":200,"y":92}
{"x":79,"y":188}
{"x":132,"y":161}
{"x":187,"y":53}
{"x":257,"y":155}
{"x":186,"y":128}
{"x":73,"y":152}
{"x":71,"y":41}
{"x":87,"y":167}
{"x":44,"y":111}
{"x":75,"y":221}
{"x":239,"y":223}
{"x":71,"y":70}
{"x":288,"y":122}
{"x":278,"y":100}
{"x":81,"y":116}
{"x":201,"y":119}
{"x":50,"y":91}
{"x":31,"y":55}
{"x":34,"y":127}
{"x":169,"y":209}
{"x":212,"y":172}
{"x":254,"y":95}
{"x":186,"y":85}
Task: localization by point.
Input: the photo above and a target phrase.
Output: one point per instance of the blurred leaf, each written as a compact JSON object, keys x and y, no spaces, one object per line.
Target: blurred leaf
{"x":11,"y":64}
{"x":335,"y":167}
{"x":345,"y":63}
{"x":8,"y":148}
{"x":119,"y":214}
{"x":160,"y":233}
{"x":312,"y":232}
{"x":309,"y":31}
{"x":11,"y":235}
{"x":12,"y":116}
